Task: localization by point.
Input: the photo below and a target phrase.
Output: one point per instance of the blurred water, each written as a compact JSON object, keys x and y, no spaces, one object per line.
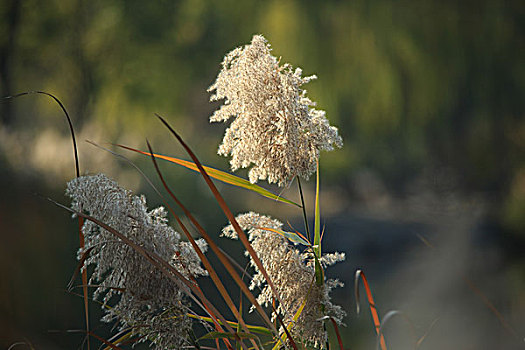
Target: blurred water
{"x":442,"y":289}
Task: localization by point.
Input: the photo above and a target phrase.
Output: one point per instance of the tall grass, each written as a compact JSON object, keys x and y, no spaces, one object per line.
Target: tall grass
{"x":149,"y":282}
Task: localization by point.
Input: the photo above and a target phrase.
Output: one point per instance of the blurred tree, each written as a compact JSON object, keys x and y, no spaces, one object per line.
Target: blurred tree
{"x":11,"y":17}
{"x":412,"y":86}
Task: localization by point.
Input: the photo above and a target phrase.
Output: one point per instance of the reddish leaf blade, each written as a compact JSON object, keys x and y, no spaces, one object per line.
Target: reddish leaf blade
{"x":373,"y":310}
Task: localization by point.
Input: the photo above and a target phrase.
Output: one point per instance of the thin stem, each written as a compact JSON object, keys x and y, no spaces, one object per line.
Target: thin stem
{"x":304,"y":209}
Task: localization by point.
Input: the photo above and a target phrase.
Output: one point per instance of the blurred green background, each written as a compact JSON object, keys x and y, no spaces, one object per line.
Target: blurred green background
{"x":428,"y":96}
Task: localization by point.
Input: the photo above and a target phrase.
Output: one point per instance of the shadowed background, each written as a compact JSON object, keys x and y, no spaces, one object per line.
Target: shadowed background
{"x":427,"y":195}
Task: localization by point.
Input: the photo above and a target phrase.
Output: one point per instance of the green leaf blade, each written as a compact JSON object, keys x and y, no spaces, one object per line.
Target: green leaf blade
{"x":218,"y":175}
{"x":291,"y":236}
{"x":319,"y":273}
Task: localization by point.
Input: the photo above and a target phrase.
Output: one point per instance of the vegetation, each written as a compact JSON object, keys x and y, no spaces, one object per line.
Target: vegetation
{"x":141,"y":261}
{"x":425,"y":95}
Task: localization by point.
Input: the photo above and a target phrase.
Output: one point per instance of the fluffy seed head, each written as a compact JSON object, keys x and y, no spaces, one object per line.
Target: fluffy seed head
{"x":293,"y":275}
{"x":150,"y":302}
{"x":276,"y":130}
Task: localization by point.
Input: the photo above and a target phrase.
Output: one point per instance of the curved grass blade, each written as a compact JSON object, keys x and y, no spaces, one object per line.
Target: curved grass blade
{"x":294,"y":237}
{"x":26,"y":342}
{"x":218,"y":175}
{"x":77,"y":173}
{"x":336,"y":328}
{"x":387,"y":317}
{"x":61,"y":105}
{"x":373,"y":310}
